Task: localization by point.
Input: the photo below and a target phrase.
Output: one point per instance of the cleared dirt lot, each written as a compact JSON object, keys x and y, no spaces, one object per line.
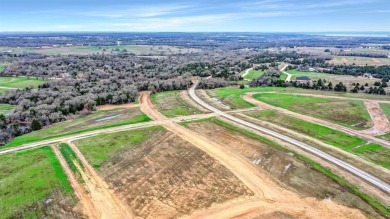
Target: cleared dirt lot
{"x":167,"y":177}
{"x":284,"y":169}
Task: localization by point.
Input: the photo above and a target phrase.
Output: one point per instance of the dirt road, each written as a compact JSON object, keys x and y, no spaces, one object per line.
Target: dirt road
{"x":286,"y":73}
{"x":120,"y":106}
{"x":88,"y":206}
{"x":248,"y":97}
{"x":381,"y":122}
{"x":266,"y":191}
{"x":104,"y":199}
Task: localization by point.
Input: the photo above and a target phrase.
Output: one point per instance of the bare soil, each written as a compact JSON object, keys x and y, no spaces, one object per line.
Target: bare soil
{"x":167,"y":177}
{"x":120,"y":106}
{"x":381,"y":122}
{"x":284,"y":169}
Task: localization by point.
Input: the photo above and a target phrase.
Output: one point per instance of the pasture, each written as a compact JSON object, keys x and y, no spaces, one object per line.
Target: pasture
{"x":171,"y":104}
{"x":349,"y":113}
{"x":5,"y":109}
{"x":96,"y":120}
{"x":20,"y":82}
{"x":33,"y":185}
{"x":254,"y":74}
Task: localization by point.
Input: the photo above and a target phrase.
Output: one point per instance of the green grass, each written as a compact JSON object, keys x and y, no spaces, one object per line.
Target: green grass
{"x":349,"y":113}
{"x":2,"y":65}
{"x":6,"y":108}
{"x":254,"y":74}
{"x":81,"y":125}
{"x":382,"y":209}
{"x":70,"y":158}
{"x":171,"y":104}
{"x":29,"y":178}
{"x":20,"y":82}
{"x":101,"y":148}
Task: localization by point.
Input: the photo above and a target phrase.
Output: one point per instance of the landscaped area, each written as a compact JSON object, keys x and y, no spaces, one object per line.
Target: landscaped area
{"x":20,"y":82}
{"x":171,"y":104}
{"x":97,"y":120}
{"x":33,"y":185}
{"x":254,"y":74}
{"x":349,"y":113}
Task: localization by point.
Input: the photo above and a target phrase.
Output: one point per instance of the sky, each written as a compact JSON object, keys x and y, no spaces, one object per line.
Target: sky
{"x":194,"y":16}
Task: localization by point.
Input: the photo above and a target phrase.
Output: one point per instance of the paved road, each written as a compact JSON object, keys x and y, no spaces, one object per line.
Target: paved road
{"x":360,"y":173}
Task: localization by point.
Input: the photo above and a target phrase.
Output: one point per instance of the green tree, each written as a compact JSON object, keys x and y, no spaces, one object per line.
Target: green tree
{"x":36,"y":125}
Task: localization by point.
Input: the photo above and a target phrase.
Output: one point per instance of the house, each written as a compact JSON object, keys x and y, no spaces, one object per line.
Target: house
{"x":367,"y":75}
{"x":303,"y":79}
{"x":311,"y":69}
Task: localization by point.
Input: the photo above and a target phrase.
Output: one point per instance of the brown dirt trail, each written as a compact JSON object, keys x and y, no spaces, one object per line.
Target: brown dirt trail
{"x":381,"y":122}
{"x":104,"y":199}
{"x":89,"y":208}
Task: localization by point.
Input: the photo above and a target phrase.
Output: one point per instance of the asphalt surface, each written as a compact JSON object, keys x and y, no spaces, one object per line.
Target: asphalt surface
{"x":356,"y":171}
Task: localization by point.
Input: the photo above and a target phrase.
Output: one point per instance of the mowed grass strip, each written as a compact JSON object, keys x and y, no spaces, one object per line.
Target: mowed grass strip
{"x":6,"y":108}
{"x":101,"y":148}
{"x":27,"y":179}
{"x":71,"y":158}
{"x":371,"y":152}
{"x":83,"y":124}
{"x":349,"y":113}
{"x":20,"y":82}
{"x":171,"y":104}
{"x":254,"y":74}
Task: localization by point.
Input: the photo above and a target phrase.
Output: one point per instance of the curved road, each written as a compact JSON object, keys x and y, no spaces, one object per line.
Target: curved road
{"x":360,"y":173}
{"x":288,"y":74}
{"x":246,"y":73}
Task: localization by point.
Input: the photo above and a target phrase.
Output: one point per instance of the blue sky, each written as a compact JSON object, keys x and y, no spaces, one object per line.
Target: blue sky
{"x":194,"y":16}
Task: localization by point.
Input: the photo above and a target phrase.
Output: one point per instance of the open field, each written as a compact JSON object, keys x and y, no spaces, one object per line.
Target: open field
{"x":160,"y":175}
{"x":350,"y":60}
{"x":171,"y":104}
{"x":20,"y":82}
{"x":6,"y":108}
{"x":254,"y":74}
{"x":86,"y":50}
{"x":349,"y":113}
{"x":231,"y":96}
{"x":281,"y":166}
{"x":373,"y":153}
{"x":33,"y":185}
{"x":335,"y":79}
{"x":96,"y":120}
{"x":386,"y":108}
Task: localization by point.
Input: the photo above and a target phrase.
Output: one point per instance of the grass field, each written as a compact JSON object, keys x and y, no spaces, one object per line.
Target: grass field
{"x":350,"y":60}
{"x":99,"y":149}
{"x":86,"y":50}
{"x":6,"y":108}
{"x":254,"y":74}
{"x":347,"y":80}
{"x":171,"y":104}
{"x":27,"y":179}
{"x":386,"y":108}
{"x":72,"y":160}
{"x":2,"y":65}
{"x":20,"y":82}
{"x":373,"y":153}
{"x":349,"y":113}
{"x":97,"y":120}
{"x":231,"y":96}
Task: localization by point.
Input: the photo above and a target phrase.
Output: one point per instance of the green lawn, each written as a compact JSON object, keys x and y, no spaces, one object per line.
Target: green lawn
{"x":72,"y":159}
{"x":6,"y":108}
{"x":171,"y":104}
{"x":20,"y":82}
{"x":98,"y":149}
{"x":254,"y":74}
{"x":83,"y":124}
{"x":29,"y":178}
{"x":349,"y":113}
{"x":374,"y":153}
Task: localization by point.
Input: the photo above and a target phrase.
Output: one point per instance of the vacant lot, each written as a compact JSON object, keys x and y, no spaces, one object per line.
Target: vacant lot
{"x":160,"y":175}
{"x":254,"y":74}
{"x":347,"y":80}
{"x":6,"y":109}
{"x":349,"y":113}
{"x":374,"y":153}
{"x":97,"y":120}
{"x":350,"y":60}
{"x":284,"y":168}
{"x":33,"y":185}
{"x":172,"y":104}
{"x":20,"y":82}
{"x":86,"y":50}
